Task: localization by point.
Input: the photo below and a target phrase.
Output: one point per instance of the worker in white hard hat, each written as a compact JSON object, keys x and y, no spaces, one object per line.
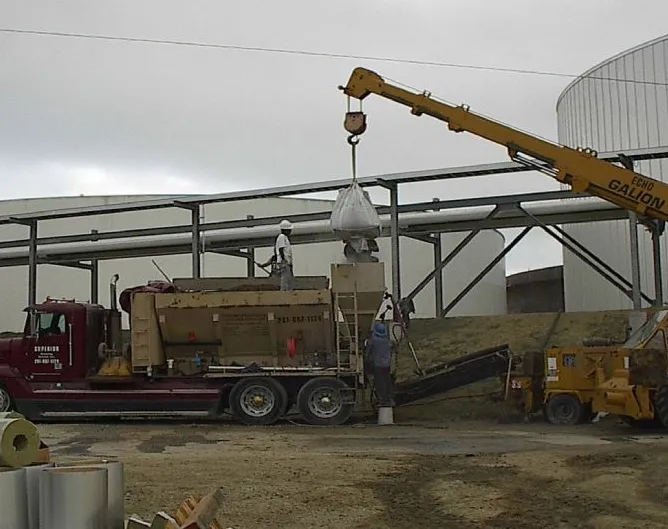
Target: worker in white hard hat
{"x":283,"y":253}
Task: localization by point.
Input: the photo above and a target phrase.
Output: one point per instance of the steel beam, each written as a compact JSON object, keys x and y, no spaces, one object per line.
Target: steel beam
{"x":627,"y":285}
{"x":196,"y":244}
{"x":658,"y":273}
{"x":32,"y":264}
{"x":178,"y":201}
{"x":196,"y":233}
{"x":636,"y":286}
{"x":483,"y":224}
{"x":143,"y":248}
{"x":70,"y":264}
{"x":94,"y":282}
{"x":395,"y":242}
{"x":588,"y":257}
{"x":438,"y":278}
{"x":486,"y":271}
{"x":250,"y":260}
{"x":303,"y":217}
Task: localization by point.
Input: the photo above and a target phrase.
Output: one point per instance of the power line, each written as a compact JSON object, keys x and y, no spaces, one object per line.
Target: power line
{"x":325,"y":54}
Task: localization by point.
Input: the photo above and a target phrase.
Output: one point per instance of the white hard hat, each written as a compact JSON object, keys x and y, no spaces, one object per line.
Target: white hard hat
{"x":285,"y":225}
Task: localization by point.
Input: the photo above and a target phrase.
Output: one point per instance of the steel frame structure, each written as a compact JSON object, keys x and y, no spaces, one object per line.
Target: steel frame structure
{"x":515,"y":214}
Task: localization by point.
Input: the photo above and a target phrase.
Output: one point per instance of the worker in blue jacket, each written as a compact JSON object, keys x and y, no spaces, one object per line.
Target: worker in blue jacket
{"x":379,"y":354}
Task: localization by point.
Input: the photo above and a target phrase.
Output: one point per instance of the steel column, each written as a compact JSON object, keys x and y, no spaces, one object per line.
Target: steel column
{"x":658,"y":272}
{"x":94,"y":281}
{"x":32,"y":264}
{"x":481,"y":225}
{"x":636,"y":287}
{"x":196,"y":243}
{"x":94,"y":277}
{"x":394,"y":236}
{"x":635,"y":261}
{"x":486,"y":271}
{"x":438,"y":278}
{"x":250,"y":262}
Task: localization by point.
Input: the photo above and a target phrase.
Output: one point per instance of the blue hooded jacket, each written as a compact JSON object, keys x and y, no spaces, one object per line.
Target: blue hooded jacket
{"x":379,"y":346}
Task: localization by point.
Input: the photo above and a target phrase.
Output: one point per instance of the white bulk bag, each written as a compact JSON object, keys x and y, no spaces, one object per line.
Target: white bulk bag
{"x":353,"y":215}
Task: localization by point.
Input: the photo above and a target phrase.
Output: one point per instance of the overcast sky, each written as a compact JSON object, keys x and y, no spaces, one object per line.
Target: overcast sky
{"x":80,"y":116}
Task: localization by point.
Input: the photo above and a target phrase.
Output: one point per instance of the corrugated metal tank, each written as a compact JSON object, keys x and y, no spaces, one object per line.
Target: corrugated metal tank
{"x":604,"y":111}
{"x":488,"y":297}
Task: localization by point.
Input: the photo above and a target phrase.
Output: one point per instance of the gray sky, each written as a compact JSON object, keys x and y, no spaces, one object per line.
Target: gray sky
{"x":94,"y":117}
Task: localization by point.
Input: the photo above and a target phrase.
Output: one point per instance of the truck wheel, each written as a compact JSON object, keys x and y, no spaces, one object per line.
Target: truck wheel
{"x":321,"y":403}
{"x":564,"y":410}
{"x":5,"y":400}
{"x":661,"y":405}
{"x":258,"y":401}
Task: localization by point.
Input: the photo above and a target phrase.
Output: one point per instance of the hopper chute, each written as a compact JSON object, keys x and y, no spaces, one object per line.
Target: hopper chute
{"x":358,"y":288}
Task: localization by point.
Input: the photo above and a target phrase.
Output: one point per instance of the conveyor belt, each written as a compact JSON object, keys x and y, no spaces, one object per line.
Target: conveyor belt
{"x":467,"y":369}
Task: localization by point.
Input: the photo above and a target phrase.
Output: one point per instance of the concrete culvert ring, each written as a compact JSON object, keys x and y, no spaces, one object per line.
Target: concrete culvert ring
{"x":321,"y":401}
{"x":258,"y":401}
{"x":5,"y":400}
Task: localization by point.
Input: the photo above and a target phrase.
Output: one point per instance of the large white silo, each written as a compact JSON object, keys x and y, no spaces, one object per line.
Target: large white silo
{"x":620,"y":104}
{"x":488,"y":297}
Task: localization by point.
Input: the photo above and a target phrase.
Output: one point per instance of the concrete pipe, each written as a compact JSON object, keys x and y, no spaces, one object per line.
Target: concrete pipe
{"x":13,"y":504}
{"x":73,"y":497}
{"x":19,"y":442}
{"x":115,"y":487}
{"x":33,"y":473}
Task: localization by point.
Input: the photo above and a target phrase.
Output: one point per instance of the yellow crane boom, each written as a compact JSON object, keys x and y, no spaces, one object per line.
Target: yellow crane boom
{"x":579,"y":168}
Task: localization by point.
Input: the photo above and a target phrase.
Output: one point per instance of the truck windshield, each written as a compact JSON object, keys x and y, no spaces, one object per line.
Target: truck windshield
{"x":645,"y":332}
{"x":48,"y":323}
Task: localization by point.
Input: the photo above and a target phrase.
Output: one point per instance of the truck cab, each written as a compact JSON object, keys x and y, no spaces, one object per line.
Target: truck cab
{"x":60,"y":344}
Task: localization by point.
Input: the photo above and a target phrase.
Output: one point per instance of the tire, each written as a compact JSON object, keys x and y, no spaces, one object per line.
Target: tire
{"x":564,"y":410}
{"x":5,"y":400}
{"x":258,"y":401}
{"x":321,"y":403}
{"x":661,"y":405}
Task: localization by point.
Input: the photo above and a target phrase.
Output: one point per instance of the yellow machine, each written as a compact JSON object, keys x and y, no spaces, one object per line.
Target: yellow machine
{"x":570,"y":383}
{"x":579,"y":382}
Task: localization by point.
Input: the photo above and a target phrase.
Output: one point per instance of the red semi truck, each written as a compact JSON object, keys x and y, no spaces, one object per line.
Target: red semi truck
{"x":233,"y":346}
{"x":271,"y":350}
{"x":52,"y":370}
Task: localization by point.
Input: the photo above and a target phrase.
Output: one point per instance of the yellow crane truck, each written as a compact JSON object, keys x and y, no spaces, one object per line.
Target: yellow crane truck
{"x":569,"y":384}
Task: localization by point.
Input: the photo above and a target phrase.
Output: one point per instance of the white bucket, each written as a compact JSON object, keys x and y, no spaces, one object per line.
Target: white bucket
{"x":385,"y":416}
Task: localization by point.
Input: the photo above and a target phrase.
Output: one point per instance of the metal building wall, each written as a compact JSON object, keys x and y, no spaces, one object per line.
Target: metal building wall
{"x":604,"y":111}
{"x":311,"y":259}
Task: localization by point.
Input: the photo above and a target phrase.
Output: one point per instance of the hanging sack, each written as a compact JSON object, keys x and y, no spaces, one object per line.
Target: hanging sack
{"x":353,"y":215}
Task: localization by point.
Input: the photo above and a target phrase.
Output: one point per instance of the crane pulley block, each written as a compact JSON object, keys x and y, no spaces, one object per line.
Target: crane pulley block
{"x":355,"y":122}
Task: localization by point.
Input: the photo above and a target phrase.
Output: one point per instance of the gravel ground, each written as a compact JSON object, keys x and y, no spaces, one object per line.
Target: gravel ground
{"x":463,"y":475}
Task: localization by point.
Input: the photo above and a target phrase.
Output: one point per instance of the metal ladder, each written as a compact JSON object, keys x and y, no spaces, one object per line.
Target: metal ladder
{"x":342,"y":314}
